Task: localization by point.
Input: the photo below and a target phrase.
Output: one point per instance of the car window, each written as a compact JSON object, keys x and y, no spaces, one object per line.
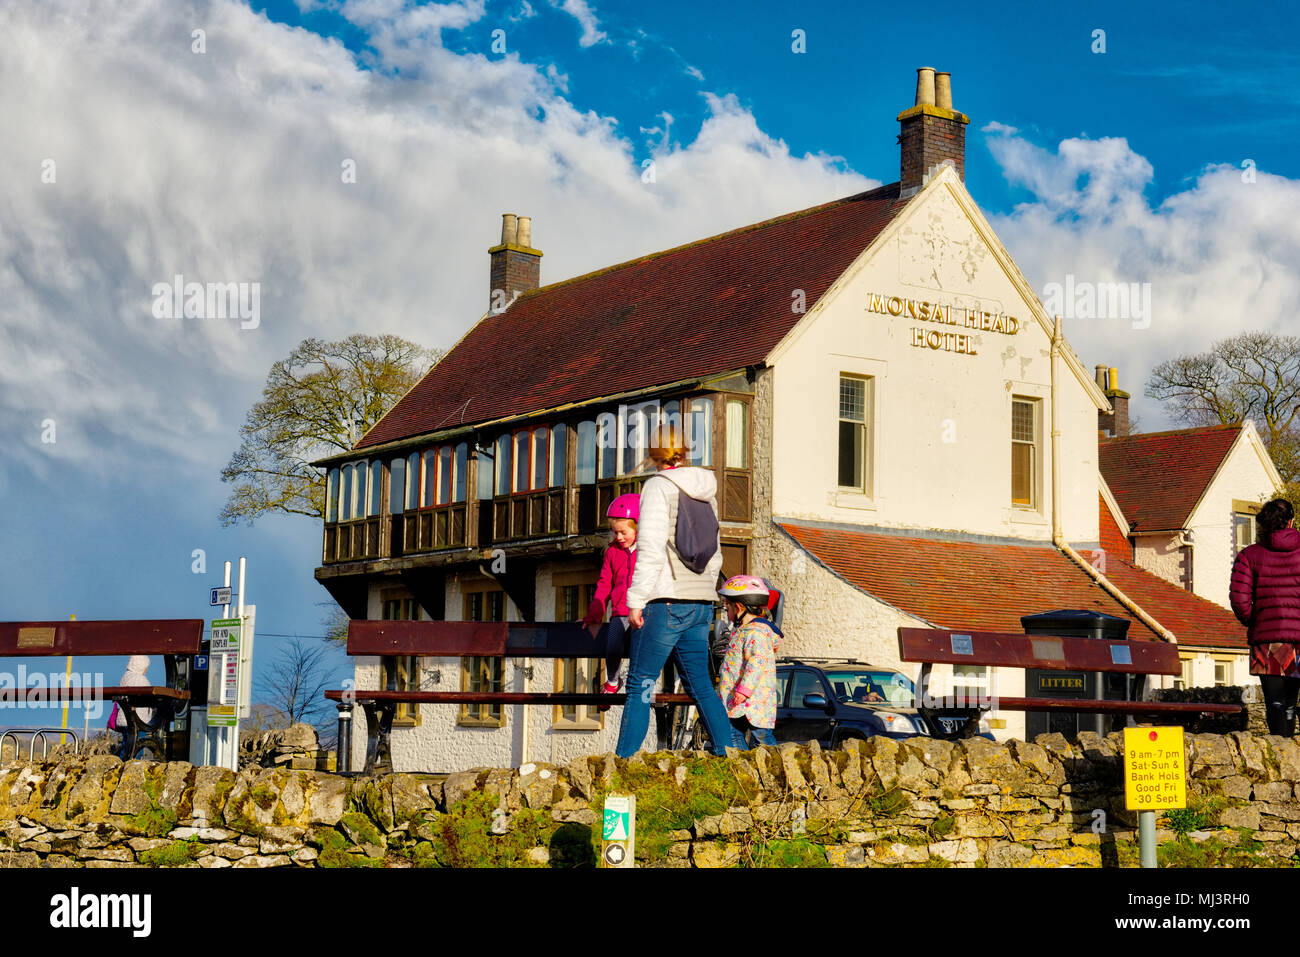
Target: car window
{"x":804,"y":682}
{"x":782,"y":686}
{"x":872,"y":687}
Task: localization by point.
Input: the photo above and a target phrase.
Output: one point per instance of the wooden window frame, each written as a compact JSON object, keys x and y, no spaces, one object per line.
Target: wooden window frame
{"x":865,"y":463}
{"x":1036,"y":447}
{"x":586,"y":717}
{"x":479,"y":715}
{"x":403,"y":669}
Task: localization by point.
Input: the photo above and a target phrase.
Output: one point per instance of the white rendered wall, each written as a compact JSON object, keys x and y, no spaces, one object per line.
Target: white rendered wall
{"x":941,"y":421}
{"x":1244,"y":477}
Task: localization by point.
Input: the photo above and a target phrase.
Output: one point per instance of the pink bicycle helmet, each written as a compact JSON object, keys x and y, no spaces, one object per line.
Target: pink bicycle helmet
{"x":625,"y":506}
{"x":748,"y":590}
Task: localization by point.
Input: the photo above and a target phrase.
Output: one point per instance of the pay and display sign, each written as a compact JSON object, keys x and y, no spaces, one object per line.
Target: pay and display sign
{"x":1155,"y":772}
{"x":223,"y":674}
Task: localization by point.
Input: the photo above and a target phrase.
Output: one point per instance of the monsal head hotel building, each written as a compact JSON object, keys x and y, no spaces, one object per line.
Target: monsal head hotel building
{"x":901,"y":436}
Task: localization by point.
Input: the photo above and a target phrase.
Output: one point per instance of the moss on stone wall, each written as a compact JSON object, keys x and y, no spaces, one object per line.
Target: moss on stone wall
{"x":876,"y":803}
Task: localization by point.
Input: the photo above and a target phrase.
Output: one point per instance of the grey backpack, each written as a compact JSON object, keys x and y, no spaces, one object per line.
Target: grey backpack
{"x":696,"y":535}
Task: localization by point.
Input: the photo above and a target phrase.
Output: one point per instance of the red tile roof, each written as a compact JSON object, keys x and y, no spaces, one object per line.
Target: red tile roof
{"x":711,"y":306}
{"x":985,"y":586}
{"x":1158,"y":477}
{"x":1112,"y":538}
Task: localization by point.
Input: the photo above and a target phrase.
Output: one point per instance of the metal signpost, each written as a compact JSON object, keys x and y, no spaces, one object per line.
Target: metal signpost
{"x":619,"y":844}
{"x":1155,"y":779}
{"x":229,"y":668}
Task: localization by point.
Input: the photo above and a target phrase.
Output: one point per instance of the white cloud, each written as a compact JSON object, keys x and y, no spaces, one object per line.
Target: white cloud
{"x":586,"y":17}
{"x":1219,"y":253}
{"x":226,"y":166}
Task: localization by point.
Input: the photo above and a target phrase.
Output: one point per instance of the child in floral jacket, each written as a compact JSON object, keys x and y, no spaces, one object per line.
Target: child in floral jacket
{"x":747,"y":679}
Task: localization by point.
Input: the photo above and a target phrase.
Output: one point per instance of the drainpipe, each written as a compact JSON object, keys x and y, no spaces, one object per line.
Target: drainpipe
{"x":523,"y":716}
{"x":1058,"y":539}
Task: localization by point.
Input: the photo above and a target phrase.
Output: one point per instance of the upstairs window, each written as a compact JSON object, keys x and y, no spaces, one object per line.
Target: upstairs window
{"x":586,"y":472}
{"x":853,"y":438}
{"x":1243,"y":531}
{"x":1024,"y":452}
{"x":430,"y":477}
{"x":541,"y":460}
{"x":396,"y":485}
{"x":559,"y":455}
{"x":737,"y":434}
{"x":345,"y":494}
{"x":521,"y":462}
{"x":376,"y":485}
{"x":606,"y":445}
{"x":504,"y":445}
{"x":332,"y":496}
{"x":460,"y":462}
{"x":413,"y":480}
{"x":444,"y":475}
{"x":699,"y":433}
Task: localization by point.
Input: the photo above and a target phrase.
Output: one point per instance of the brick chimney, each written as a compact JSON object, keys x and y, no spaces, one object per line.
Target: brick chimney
{"x":931,"y":133}
{"x":1114,"y":424}
{"x":516,"y":265}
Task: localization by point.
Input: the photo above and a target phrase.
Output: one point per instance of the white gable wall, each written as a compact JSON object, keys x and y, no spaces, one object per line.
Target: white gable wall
{"x":1243,"y":476}
{"x":940,"y":421}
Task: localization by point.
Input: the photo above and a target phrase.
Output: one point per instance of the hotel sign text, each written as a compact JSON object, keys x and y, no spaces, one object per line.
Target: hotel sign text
{"x":959,"y":316}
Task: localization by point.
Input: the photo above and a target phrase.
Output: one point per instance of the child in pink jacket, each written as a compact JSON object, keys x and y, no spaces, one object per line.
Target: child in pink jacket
{"x":611,"y":587}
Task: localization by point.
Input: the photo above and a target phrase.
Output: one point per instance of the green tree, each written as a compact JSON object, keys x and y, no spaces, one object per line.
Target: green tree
{"x":1254,"y":375}
{"x":319,"y":400}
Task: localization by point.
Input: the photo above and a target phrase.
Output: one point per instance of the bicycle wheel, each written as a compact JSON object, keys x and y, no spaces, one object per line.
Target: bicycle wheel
{"x":700,"y":740}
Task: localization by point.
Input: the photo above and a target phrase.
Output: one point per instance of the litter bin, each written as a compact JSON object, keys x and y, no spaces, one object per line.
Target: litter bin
{"x":1044,"y":683}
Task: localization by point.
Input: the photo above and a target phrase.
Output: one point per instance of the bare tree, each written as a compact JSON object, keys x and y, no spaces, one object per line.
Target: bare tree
{"x":1255,"y":375}
{"x":335,"y":622}
{"x":320,"y":399}
{"x":296,"y":682}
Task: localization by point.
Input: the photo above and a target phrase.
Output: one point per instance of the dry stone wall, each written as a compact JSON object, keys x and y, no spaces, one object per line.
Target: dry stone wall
{"x":880,"y":802}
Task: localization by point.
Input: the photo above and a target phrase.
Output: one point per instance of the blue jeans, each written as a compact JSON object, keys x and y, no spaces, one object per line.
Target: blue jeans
{"x":677,"y":630}
{"x":760,"y":735}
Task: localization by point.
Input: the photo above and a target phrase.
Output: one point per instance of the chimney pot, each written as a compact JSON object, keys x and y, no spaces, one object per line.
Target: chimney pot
{"x":1112,"y":378}
{"x":931,"y":134}
{"x":943,"y":90}
{"x":513,"y":270}
{"x":925,"y":86}
{"x":1101,"y":377}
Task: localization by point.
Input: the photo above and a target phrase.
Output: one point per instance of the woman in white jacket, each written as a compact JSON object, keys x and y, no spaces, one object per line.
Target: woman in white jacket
{"x":670,"y":604}
{"x":137,"y":667}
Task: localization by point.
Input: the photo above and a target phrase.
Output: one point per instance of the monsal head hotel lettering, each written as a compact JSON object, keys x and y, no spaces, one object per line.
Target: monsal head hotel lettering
{"x":912,"y":442}
{"x":968,"y":317}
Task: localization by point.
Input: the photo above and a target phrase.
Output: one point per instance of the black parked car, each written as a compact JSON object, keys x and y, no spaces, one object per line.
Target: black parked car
{"x":830,"y":700}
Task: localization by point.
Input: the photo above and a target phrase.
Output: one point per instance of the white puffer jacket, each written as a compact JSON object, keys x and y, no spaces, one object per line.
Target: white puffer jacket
{"x":659,"y":570}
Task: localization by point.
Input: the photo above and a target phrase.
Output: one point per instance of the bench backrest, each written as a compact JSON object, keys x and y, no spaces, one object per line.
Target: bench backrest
{"x":487,"y":639}
{"x":1012,"y":650}
{"x":22,"y":639}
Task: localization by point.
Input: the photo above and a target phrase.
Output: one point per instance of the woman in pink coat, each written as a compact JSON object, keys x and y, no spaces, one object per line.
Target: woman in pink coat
{"x":1265,"y":596}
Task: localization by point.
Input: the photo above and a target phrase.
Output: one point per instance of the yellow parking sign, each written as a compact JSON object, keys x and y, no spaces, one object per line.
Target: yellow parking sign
{"x":1155,"y":772}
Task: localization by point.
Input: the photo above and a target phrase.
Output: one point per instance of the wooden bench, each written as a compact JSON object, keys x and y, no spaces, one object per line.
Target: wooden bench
{"x":171,"y":638}
{"x":931,"y":646}
{"x":456,"y":639}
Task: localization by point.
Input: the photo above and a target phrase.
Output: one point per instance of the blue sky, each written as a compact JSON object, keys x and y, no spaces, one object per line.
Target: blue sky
{"x":222,"y":165}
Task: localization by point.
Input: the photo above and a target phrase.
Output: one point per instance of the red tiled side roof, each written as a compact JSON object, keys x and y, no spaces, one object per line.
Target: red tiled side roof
{"x":1112,"y":539}
{"x":988,"y":587}
{"x":714,"y":305}
{"x":1195,"y":621}
{"x":1158,"y":477}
